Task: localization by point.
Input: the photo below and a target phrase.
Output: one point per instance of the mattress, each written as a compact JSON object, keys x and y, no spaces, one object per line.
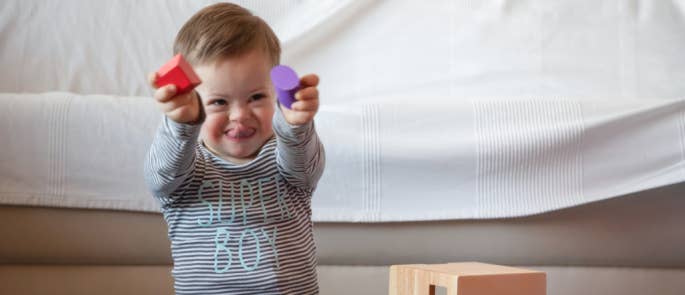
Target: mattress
{"x":87,"y":151}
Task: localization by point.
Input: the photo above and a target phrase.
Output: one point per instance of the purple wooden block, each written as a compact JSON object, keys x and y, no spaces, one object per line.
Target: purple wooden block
{"x":286,"y":83}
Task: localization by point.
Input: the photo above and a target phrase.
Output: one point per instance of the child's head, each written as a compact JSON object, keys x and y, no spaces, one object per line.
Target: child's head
{"x":233,"y":52}
{"x":225,"y":30}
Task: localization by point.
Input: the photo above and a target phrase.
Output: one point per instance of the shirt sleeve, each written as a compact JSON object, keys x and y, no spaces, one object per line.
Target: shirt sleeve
{"x":171,"y":160}
{"x":300,"y":155}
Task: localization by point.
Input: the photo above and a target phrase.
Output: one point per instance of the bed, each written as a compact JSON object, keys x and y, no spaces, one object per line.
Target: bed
{"x":556,"y":131}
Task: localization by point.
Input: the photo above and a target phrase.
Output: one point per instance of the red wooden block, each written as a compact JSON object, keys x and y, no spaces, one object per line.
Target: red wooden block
{"x":177,"y":71}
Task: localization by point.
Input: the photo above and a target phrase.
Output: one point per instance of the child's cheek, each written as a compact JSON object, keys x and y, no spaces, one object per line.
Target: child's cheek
{"x":213,"y":127}
{"x":266,"y":118}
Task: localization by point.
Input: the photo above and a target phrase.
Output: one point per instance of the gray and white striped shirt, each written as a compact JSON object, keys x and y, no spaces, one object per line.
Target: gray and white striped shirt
{"x":238,"y":229}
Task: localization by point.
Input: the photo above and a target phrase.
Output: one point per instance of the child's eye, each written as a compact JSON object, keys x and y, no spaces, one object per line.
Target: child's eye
{"x":218,"y":102}
{"x":257,"y":96}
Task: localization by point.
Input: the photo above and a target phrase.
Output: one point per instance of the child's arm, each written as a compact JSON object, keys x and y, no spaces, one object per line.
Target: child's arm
{"x":300,"y":155}
{"x":171,"y":159}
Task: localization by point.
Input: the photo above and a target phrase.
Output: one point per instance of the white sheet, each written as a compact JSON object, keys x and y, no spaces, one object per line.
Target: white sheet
{"x":611,"y":49}
{"x":430,"y":110}
{"x":388,"y":160}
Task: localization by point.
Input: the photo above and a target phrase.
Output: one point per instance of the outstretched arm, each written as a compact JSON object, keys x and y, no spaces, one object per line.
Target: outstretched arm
{"x":172,"y":158}
{"x":300,"y":154}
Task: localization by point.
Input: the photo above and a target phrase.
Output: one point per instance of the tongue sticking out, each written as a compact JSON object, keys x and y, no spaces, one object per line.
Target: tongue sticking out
{"x":241,"y":132}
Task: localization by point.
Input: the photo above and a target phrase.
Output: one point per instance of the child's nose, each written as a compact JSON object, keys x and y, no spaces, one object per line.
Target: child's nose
{"x":238,"y":113}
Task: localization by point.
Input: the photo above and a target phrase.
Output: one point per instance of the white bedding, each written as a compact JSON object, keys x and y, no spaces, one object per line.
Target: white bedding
{"x":610,"y":49}
{"x":430,"y":110}
{"x":388,"y":160}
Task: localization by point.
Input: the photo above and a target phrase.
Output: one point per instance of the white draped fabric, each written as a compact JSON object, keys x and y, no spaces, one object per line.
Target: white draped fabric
{"x":430,"y":109}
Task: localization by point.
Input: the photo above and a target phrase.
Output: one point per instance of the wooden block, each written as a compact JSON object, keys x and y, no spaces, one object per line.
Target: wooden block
{"x":465,"y":278}
{"x":178,"y":71}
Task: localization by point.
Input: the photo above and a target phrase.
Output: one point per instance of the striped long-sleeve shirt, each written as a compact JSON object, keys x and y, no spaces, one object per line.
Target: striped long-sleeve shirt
{"x":238,"y":229}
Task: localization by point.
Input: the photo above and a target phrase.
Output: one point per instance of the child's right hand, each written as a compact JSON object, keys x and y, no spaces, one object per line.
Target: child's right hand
{"x":183,"y":108}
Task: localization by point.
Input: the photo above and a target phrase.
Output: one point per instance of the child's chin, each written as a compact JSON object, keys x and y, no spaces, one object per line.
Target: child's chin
{"x":241,"y":153}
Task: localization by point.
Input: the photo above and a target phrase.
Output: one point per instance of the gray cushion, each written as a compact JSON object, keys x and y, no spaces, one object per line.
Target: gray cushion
{"x":644,"y":229}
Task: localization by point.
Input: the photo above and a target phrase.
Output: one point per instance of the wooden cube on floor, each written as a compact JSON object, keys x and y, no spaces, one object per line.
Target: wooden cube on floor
{"x":466,"y":278}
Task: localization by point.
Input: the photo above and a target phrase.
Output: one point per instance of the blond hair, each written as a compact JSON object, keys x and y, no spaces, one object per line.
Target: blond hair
{"x":225,"y":30}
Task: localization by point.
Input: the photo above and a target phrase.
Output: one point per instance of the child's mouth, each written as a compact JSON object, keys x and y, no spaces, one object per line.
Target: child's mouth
{"x":240,"y":133}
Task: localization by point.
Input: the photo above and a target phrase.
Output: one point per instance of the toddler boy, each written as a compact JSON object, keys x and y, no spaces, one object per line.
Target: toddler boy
{"x":236,"y":197}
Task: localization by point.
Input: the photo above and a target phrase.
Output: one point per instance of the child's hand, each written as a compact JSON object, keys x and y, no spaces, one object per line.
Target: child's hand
{"x":307,"y":104}
{"x":184,"y":108}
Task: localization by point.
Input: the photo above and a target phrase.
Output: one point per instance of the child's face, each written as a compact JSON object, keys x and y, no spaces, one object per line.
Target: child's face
{"x":238,"y":98}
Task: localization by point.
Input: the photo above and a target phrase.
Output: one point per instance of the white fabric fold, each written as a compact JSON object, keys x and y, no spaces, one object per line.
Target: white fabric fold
{"x":612,"y":49}
{"x":390,"y":159}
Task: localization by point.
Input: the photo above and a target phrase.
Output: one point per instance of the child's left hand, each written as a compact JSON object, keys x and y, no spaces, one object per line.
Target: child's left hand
{"x":307,"y":104}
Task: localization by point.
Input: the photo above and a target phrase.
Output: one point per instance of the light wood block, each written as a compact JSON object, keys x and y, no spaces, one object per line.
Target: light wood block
{"x":465,"y":278}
